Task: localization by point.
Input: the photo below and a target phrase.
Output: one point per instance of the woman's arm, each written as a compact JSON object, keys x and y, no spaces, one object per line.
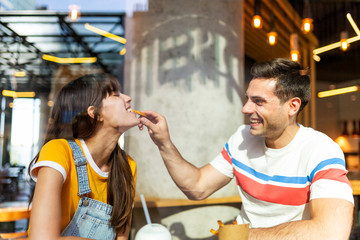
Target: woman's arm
{"x":45,"y":217}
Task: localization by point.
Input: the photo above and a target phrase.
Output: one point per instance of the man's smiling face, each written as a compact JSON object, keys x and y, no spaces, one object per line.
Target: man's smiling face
{"x":268,"y":116}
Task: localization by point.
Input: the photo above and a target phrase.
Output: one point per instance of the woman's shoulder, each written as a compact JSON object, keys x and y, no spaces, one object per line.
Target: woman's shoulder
{"x":55,"y":150}
{"x":56,"y":154}
{"x":57,"y":143}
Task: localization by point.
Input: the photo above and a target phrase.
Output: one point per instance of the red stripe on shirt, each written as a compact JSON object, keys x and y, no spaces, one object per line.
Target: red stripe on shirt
{"x":226,"y":156}
{"x":332,"y":174}
{"x":273,"y":193}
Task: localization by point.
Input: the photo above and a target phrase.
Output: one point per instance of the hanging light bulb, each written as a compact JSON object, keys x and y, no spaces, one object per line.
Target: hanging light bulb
{"x":272,"y":35}
{"x":272,"y":38}
{"x":74,"y":12}
{"x":344,"y":44}
{"x":257,"y":20}
{"x":307,"y":25}
{"x":294,"y":47}
{"x":307,"y":22}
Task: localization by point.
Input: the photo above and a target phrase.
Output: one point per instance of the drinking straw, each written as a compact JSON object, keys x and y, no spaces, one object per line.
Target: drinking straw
{"x":146,"y":211}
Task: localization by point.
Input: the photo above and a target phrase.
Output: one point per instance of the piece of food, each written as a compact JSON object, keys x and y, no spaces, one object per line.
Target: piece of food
{"x":138,"y":112}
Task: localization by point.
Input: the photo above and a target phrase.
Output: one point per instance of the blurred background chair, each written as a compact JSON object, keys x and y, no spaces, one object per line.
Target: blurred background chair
{"x":14,"y":220}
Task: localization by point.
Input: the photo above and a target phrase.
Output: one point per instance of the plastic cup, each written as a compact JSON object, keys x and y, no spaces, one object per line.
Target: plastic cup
{"x":153,"y":231}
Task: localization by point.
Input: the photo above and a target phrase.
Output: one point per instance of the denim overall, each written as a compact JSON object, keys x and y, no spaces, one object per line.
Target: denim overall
{"x":91,"y":219}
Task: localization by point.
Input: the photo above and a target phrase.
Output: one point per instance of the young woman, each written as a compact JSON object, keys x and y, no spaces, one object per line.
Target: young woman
{"x":85,"y":183}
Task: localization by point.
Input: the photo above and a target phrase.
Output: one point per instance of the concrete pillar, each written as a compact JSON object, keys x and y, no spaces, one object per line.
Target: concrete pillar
{"x":185,"y":60}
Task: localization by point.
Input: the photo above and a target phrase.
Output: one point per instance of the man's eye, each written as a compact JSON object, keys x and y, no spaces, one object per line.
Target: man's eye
{"x":258,"y":101}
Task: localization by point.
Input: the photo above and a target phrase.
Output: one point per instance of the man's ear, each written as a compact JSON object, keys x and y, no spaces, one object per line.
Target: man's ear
{"x":294,"y":106}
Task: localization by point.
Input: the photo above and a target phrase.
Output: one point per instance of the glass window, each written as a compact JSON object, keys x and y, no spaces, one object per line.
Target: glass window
{"x":24,"y":130}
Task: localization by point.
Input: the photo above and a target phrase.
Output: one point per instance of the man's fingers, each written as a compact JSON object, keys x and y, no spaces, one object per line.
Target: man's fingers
{"x":145,"y":121}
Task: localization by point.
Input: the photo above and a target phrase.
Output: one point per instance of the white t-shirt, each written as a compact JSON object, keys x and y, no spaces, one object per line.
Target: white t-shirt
{"x":276,"y":185}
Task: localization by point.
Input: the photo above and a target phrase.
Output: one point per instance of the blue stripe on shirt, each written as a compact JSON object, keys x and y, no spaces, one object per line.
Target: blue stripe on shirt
{"x":325,"y":163}
{"x":284,"y":179}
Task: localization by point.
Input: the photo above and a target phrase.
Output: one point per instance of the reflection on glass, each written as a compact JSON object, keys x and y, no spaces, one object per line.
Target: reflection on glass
{"x":24,"y":130}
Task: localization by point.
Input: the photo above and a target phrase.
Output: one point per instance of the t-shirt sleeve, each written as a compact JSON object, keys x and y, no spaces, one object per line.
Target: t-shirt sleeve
{"x":328,"y":177}
{"x":54,"y":154}
{"x":222,"y":163}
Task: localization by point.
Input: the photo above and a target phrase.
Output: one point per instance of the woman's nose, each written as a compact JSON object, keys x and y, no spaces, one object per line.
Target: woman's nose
{"x":127,"y":98}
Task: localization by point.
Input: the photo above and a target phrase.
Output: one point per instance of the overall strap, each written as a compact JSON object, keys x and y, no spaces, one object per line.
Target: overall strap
{"x":81,"y":171}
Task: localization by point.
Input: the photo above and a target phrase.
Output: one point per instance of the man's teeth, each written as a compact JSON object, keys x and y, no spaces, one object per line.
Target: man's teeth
{"x":129,"y":110}
{"x":255,"y":121}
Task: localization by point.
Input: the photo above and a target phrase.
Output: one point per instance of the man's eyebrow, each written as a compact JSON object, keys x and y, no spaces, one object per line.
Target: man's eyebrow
{"x":256,"y":97}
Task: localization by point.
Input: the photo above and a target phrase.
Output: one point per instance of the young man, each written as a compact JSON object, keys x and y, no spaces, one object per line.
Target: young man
{"x":292,"y":179}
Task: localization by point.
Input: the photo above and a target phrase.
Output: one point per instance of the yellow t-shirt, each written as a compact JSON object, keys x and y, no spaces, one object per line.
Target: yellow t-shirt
{"x":57,"y":154}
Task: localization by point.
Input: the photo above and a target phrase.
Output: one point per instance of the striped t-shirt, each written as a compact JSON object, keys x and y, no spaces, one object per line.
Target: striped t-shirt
{"x":276,"y":185}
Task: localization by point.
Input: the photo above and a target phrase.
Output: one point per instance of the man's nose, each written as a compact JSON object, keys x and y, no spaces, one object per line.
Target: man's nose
{"x":247,"y":108}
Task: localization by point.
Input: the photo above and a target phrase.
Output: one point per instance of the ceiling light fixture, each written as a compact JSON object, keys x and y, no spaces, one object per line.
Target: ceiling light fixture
{"x":338,"y":44}
{"x":338,"y":91}
{"x":74,"y":12}
{"x":316,"y":58}
{"x":123,"y":51}
{"x":19,"y":74}
{"x":105,"y":34}
{"x":69,"y":60}
{"x":307,"y":22}
{"x":257,"y":20}
{"x":344,"y":45}
{"x":294,"y":47}
{"x":353,"y":24}
{"x":272,"y":38}
{"x":13,"y":94}
{"x":272,"y":35}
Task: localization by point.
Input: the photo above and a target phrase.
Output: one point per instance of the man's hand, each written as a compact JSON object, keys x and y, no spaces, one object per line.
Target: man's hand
{"x":157,"y":128}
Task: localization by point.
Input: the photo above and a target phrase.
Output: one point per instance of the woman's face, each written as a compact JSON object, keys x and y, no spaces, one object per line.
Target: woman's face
{"x":115,"y":112}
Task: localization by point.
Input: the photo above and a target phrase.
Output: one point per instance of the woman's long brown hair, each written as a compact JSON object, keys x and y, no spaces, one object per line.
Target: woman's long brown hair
{"x":69,"y":120}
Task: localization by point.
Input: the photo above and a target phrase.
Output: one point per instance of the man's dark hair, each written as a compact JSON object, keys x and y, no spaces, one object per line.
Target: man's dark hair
{"x":292,"y":79}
